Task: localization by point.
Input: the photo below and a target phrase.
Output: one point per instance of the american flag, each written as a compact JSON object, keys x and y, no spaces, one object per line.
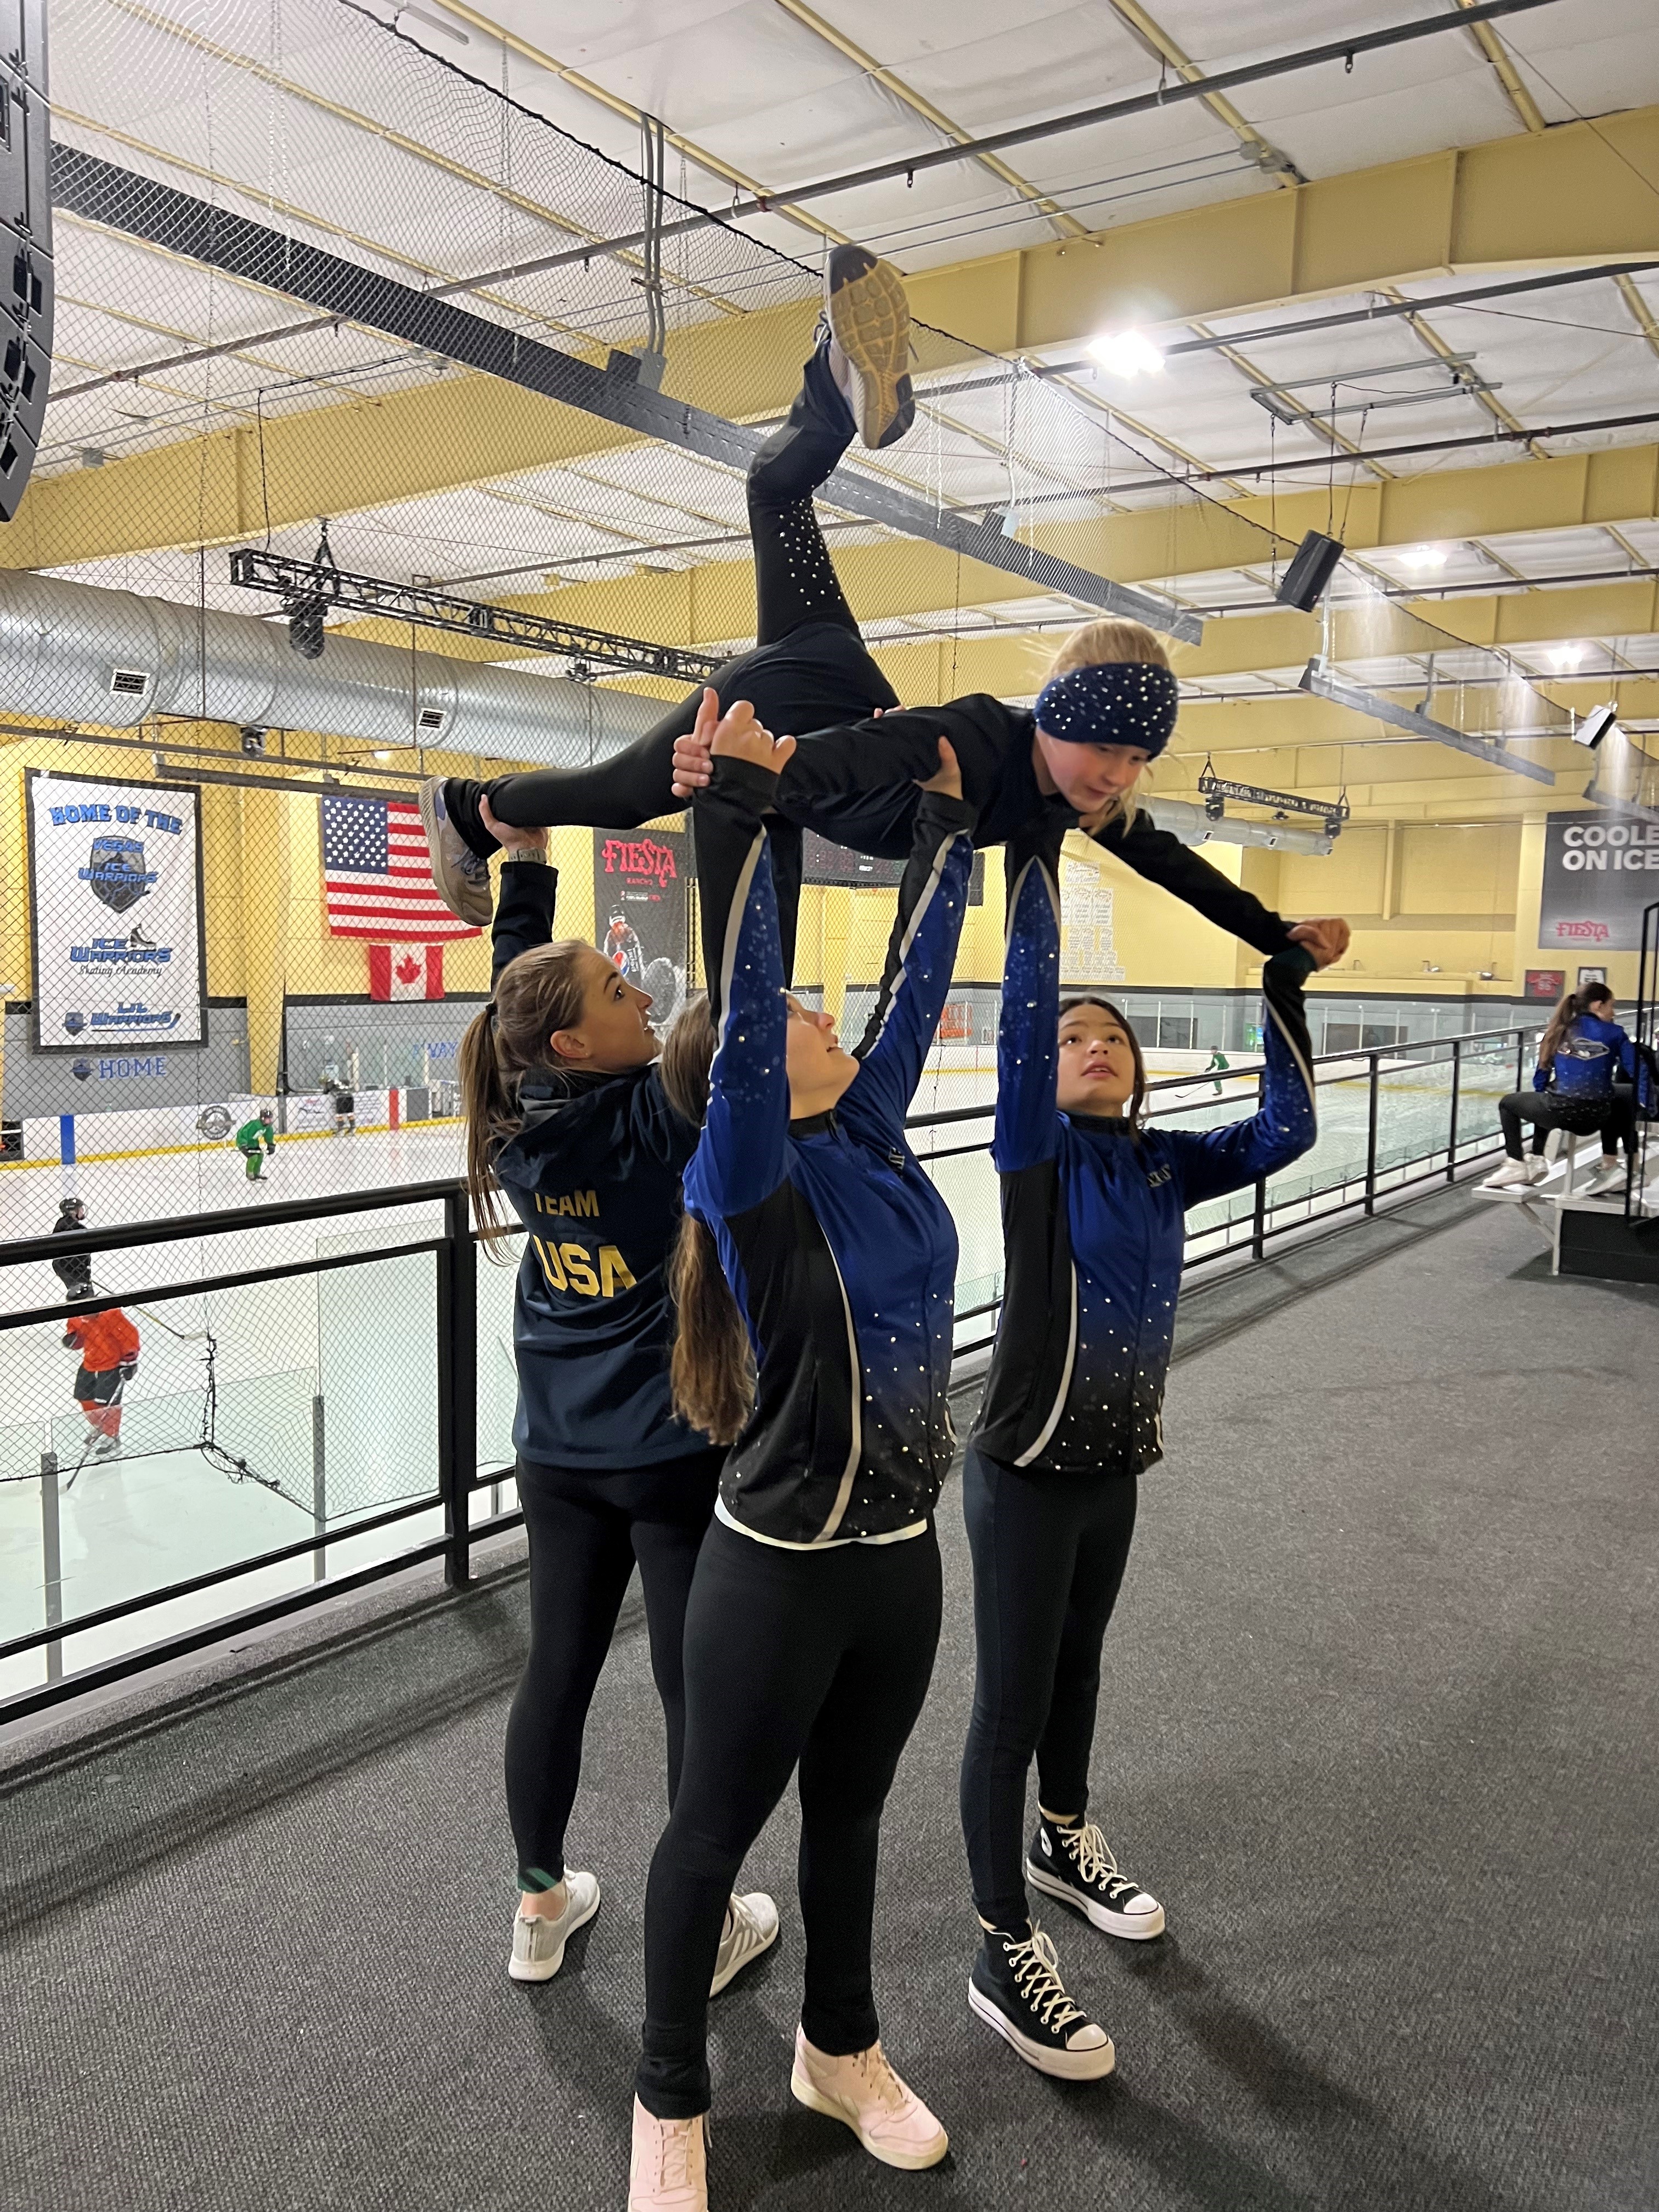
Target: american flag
{"x":377,"y":874}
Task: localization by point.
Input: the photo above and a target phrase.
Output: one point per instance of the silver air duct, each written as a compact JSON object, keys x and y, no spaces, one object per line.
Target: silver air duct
{"x":75,"y":652}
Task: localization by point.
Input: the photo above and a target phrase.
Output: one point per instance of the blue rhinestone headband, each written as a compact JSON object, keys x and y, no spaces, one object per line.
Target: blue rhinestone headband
{"x":1111,"y":702}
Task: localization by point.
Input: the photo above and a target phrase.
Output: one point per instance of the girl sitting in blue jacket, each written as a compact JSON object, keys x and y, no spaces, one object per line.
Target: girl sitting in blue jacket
{"x":1572,"y":1088}
{"x":1093,"y":1208}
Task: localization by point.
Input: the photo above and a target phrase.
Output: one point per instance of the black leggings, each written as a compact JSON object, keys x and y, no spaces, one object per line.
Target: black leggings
{"x":1551,"y":1109}
{"x":1048,"y":1552}
{"x":827,"y":679}
{"x":815,"y":1659}
{"x":586,"y":1531}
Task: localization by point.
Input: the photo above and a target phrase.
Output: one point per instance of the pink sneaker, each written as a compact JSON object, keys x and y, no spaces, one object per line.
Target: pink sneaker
{"x":668,"y":2171}
{"x":866,"y":2094}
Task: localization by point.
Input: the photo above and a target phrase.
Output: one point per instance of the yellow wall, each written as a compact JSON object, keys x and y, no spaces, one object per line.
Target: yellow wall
{"x":1463,"y":899}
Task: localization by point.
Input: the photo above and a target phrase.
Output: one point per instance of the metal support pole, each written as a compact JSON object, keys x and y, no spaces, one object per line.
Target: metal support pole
{"x":1456,"y":1087}
{"x":1259,"y":1224}
{"x":458,"y":1366}
{"x":319,"y":1488}
{"x":1371,"y":1143}
{"x":51,"y":1562}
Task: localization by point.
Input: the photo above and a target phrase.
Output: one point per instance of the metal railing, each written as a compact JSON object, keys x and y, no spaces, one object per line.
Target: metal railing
{"x":452,"y":1243}
{"x":1274,"y":1214}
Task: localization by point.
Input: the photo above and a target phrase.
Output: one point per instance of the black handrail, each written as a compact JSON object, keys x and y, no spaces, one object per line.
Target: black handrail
{"x":455,"y":1245}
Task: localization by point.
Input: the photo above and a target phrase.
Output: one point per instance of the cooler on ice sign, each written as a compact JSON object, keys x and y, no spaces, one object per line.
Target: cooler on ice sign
{"x":115,"y":910}
{"x":1599,"y":871}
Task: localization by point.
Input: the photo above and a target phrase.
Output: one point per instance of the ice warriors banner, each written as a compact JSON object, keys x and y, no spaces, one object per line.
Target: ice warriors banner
{"x":115,"y":907}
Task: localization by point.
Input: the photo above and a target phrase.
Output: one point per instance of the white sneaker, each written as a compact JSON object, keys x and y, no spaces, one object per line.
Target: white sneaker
{"x":1610,"y":1175}
{"x":460,"y":877}
{"x":1515,"y":1175}
{"x":668,"y":2167}
{"x":863,"y":2093}
{"x":752,"y":1927}
{"x":869,"y":320}
{"x":538,"y":1942}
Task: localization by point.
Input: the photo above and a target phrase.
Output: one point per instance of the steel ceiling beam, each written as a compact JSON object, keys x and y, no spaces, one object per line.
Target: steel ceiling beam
{"x":1203,"y":88}
{"x":213,"y":237}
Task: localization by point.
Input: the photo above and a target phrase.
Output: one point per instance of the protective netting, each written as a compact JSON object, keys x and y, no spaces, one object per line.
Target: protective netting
{"x":322,"y":291}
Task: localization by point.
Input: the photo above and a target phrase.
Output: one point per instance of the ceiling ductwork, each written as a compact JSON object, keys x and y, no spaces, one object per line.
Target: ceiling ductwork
{"x":75,"y":653}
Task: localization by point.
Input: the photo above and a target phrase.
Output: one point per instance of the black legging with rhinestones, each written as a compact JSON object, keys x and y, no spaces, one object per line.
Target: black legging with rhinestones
{"x":809,"y":668}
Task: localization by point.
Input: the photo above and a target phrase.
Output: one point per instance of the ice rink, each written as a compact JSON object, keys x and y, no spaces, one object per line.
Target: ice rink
{"x":320,"y":1394}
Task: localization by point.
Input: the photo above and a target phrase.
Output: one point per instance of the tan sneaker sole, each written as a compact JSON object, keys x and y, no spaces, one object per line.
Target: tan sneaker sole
{"x":869,"y":318}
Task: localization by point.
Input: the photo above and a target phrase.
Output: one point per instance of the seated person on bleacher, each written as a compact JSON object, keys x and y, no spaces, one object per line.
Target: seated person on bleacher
{"x":1573,"y":1090}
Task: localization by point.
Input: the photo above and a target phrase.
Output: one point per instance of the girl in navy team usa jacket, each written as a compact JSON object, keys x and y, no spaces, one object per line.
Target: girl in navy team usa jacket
{"x":815,"y":1610}
{"x":1580,"y":1054}
{"x":1093,"y":1210}
{"x":569,"y":1114}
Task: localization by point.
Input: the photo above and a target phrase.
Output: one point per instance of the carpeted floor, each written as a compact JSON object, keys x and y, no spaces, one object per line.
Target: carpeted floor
{"x":1379,"y":1729}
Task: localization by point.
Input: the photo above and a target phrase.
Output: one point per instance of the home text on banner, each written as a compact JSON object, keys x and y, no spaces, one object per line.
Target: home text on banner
{"x":115,"y":912}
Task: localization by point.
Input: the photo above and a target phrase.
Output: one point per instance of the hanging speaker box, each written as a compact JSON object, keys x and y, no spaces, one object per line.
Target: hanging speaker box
{"x":27,"y":285}
{"x":1311,"y":567}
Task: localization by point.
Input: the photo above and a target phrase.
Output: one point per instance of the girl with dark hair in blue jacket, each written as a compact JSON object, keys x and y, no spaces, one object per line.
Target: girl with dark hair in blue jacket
{"x":1580,"y":1054}
{"x":814,"y":1279}
{"x":1093,"y":1207}
{"x":571,"y":1114}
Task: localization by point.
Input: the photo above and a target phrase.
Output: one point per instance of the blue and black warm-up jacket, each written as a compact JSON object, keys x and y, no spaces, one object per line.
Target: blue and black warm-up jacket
{"x":1093,"y":1211}
{"x":1586,"y":1058}
{"x":841,"y":1254}
{"x":594,"y":1176}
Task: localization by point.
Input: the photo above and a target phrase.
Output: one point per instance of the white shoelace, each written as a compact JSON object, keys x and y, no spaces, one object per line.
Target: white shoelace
{"x":1094,"y":1859}
{"x":1036,"y":1977}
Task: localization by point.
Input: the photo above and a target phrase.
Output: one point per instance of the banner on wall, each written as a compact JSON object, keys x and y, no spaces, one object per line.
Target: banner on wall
{"x":640,"y":922}
{"x":1599,"y":871}
{"x":1088,"y":951}
{"x":115,"y":912}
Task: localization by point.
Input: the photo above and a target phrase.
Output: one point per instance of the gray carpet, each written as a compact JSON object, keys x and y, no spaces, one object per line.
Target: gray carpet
{"x":1379,"y":1729}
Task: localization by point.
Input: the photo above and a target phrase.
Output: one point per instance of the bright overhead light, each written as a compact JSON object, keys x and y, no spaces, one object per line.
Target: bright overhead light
{"x":1127,"y":353}
{"x":1422,"y":558}
{"x":1568,"y":656}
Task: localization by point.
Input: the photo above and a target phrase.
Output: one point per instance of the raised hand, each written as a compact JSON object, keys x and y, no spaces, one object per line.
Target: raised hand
{"x":739,"y":736}
{"x":691,"y":768}
{"x":509,"y":839}
{"x":947,"y":777}
{"x":1327,"y":939}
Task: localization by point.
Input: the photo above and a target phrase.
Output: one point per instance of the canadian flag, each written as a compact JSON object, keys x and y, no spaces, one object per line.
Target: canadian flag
{"x":405,"y":971}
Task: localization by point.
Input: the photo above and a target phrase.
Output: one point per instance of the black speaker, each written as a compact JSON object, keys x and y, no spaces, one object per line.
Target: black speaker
{"x":1310,"y":571}
{"x":27,"y":281}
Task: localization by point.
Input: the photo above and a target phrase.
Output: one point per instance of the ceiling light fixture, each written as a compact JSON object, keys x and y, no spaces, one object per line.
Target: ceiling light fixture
{"x":1568,"y":656}
{"x":1422,"y":558}
{"x":1127,"y":354}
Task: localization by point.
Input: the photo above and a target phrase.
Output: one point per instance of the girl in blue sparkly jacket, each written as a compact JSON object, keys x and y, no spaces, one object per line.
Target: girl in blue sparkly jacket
{"x":1093,"y":1208}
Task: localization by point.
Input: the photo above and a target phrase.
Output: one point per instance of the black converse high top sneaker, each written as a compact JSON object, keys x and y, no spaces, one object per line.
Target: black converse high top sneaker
{"x":1016,"y":1989}
{"x":1076,"y":1865}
